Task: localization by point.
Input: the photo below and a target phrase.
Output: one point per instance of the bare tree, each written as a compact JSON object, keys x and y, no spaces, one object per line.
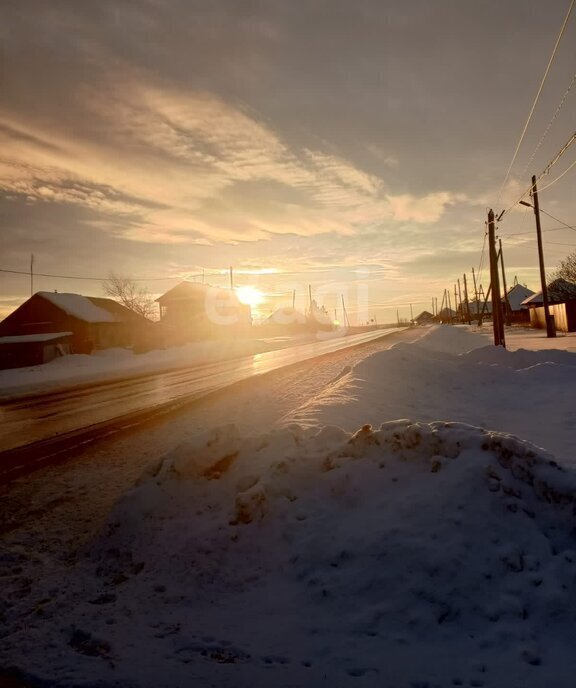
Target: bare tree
{"x":129,"y":294}
{"x":566,"y":269}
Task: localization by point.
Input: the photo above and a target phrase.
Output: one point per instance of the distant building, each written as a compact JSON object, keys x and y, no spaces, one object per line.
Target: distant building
{"x":562,"y":303}
{"x":423,"y":318}
{"x":285,"y":321}
{"x":50,"y":324}
{"x":446,"y":315}
{"x":191,"y":311}
{"x":515,"y":297}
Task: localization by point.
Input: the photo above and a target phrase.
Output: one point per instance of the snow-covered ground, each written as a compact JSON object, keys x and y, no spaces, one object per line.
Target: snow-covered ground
{"x":428,"y":552}
{"x":116,"y":363}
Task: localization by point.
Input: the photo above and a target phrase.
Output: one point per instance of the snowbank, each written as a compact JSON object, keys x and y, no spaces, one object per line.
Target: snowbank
{"x":415,"y":555}
{"x":116,"y":363}
{"x":527,"y":393}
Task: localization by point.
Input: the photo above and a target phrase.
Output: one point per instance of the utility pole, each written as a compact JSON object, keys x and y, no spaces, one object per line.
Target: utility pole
{"x":550,"y":329}
{"x":411,"y":315}
{"x":433,"y":309}
{"x":476,"y":296}
{"x":449,"y":306}
{"x":466,"y":299}
{"x":506,"y":301}
{"x":310,"y":298}
{"x":344,"y":312}
{"x":231,"y":279}
{"x":460,"y":299}
{"x":497,"y":322}
{"x":31,"y":274}
{"x":456,"y":302}
{"x":293,"y":299}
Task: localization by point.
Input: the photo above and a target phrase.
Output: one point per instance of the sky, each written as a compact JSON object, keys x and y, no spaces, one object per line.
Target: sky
{"x":354,"y":146}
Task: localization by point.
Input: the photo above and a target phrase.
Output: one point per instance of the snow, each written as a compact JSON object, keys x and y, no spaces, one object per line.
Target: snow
{"x":78,"y":306}
{"x":443,"y":376}
{"x":24,"y":338}
{"x":115,"y":363}
{"x":421,"y":552}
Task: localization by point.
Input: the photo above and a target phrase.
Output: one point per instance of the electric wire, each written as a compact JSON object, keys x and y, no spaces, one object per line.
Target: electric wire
{"x":103,"y":279}
{"x":550,"y":61}
{"x":546,"y":170}
{"x":550,"y":123}
{"x":558,"y":177}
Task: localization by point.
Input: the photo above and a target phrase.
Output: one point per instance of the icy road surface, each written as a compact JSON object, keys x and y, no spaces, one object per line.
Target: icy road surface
{"x":31,"y":419}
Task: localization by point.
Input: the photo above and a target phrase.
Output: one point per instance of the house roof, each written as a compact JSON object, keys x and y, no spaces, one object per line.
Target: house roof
{"x":79,"y":306}
{"x":517,"y":295}
{"x":184,"y":291}
{"x":559,"y":291}
{"x":117,"y":310}
{"x":425,"y":315}
{"x":27,"y":338}
{"x":285,"y":316}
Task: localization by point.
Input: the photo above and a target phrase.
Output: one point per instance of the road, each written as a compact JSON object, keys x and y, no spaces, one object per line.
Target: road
{"x":27,"y":422}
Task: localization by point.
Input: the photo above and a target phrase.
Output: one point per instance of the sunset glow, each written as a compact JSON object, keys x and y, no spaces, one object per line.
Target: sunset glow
{"x":251,"y":296}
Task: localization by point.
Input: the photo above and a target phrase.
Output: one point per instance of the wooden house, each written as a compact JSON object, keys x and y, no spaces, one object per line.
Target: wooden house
{"x":423,"y":318}
{"x":87,"y":323}
{"x":562,"y":305}
{"x":515,"y":310}
{"x":191,"y":311}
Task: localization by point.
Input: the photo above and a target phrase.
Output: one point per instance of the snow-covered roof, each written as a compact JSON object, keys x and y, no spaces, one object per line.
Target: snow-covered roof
{"x":26,"y":338}
{"x":285,"y":316}
{"x":559,"y":291}
{"x":517,"y":295}
{"x":78,"y":306}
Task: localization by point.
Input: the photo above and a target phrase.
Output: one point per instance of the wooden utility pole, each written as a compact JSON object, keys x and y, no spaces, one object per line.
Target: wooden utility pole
{"x":293,"y":299}
{"x":433,"y":309}
{"x":344,"y":312}
{"x":550,"y":329}
{"x":466,"y":300}
{"x":497,"y":320}
{"x":507,"y":308}
{"x":456,"y":302}
{"x":476,"y":296}
{"x":231,"y":279}
{"x":411,"y":315}
{"x":310,"y":298}
{"x":460,"y":300}
{"x":31,"y":274}
{"x":449,"y":306}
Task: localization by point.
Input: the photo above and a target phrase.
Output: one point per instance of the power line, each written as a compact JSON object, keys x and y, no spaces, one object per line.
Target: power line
{"x":558,"y":220}
{"x":95,"y":279}
{"x":550,"y":123}
{"x":551,"y":229}
{"x":537,"y":97}
{"x":557,"y":178}
{"x":546,"y":170}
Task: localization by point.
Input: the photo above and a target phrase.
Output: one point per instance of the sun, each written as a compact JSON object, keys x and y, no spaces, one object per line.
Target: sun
{"x":250,"y":296}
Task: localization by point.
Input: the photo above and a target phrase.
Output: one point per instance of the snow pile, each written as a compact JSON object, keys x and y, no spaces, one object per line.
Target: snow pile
{"x":527,"y":393}
{"x":413,"y":555}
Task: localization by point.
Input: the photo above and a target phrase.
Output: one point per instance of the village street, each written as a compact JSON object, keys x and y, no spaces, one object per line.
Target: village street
{"x":115,"y":461}
{"x":342,"y":475}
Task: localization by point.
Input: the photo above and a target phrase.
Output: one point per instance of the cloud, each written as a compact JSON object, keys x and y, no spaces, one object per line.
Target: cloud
{"x":425,"y":209}
{"x":168,"y":156}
